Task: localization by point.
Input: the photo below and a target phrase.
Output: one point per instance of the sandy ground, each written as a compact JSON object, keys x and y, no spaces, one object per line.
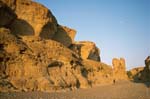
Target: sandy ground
{"x":120,"y":90}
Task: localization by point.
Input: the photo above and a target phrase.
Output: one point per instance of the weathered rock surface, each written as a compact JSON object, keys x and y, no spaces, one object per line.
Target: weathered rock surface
{"x":64,"y":35}
{"x":135,"y":74}
{"x":119,"y":69}
{"x":43,"y":65}
{"x":33,"y":19}
{"x":98,"y":73}
{"x":141,"y":74}
{"x":87,"y":50}
{"x":38,"y":54}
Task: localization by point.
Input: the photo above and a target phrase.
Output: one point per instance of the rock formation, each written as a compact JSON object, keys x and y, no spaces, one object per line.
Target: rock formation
{"x":135,"y":74}
{"x":34,"y":53}
{"x":119,"y":69}
{"x":98,"y":73}
{"x":43,"y":65}
{"x":33,"y":19}
{"x":87,"y":50}
{"x":38,"y":54}
{"x":141,"y":74}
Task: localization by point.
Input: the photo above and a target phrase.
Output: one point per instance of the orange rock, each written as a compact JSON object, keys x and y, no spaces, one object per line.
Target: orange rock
{"x":33,"y":19}
{"x":119,"y":69}
{"x":87,"y":50}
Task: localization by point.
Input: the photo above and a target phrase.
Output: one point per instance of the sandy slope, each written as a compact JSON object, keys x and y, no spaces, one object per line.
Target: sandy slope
{"x":120,"y":90}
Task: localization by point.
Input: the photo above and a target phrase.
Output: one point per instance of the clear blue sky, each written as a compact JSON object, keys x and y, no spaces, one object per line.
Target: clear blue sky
{"x":120,"y":28}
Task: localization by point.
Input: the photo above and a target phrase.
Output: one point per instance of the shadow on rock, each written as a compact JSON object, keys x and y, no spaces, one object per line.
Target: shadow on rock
{"x":22,"y":28}
{"x":64,"y":35}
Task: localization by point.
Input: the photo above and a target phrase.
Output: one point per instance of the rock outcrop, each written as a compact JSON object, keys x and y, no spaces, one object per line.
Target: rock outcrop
{"x":36,"y":20}
{"x":87,"y":50}
{"x":33,"y":19}
{"x":141,"y":74}
{"x":98,"y":73}
{"x":119,"y":69}
{"x":135,"y":74}
{"x":38,"y":54}
{"x":42,"y":65}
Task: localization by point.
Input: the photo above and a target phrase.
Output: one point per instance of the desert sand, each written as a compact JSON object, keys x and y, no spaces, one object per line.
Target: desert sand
{"x":119,"y":90}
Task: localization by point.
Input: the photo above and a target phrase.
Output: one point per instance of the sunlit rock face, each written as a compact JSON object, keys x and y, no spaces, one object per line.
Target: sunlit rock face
{"x":119,"y":69}
{"x":38,"y":54}
{"x":98,"y":73}
{"x":87,"y":50}
{"x":38,"y":65}
{"x":33,"y":19}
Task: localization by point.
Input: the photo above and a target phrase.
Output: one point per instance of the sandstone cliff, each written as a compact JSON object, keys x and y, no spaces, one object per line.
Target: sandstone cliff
{"x":38,"y":54}
{"x":34,"y":53}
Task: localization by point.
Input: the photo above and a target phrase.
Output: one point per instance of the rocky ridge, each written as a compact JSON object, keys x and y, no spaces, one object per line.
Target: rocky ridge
{"x":38,"y":54}
{"x":141,"y":74}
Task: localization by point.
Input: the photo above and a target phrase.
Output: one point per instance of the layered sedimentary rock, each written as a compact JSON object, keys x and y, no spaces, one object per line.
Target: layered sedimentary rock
{"x":43,"y":65}
{"x":87,"y":50}
{"x":119,"y":69}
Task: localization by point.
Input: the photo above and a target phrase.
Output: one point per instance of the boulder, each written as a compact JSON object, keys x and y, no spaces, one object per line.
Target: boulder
{"x":64,"y":35}
{"x":86,"y":50}
{"x":33,"y":19}
{"x":7,"y":16}
{"x":119,"y":69}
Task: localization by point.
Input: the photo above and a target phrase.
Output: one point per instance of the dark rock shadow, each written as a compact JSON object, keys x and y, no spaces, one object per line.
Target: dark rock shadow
{"x":48,"y":31}
{"x":141,"y":77}
{"x":76,"y":48}
{"x":22,"y":28}
{"x":62,"y":36}
{"x":7,"y":15}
